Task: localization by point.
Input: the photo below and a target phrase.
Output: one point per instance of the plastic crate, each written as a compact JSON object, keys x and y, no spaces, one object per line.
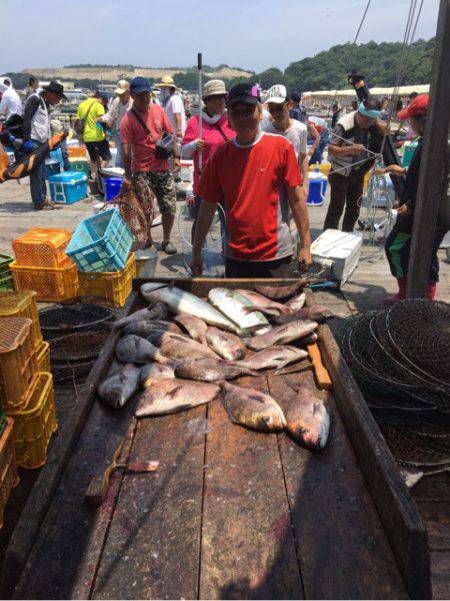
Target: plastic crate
{"x":22,"y":304}
{"x":18,"y":363}
{"x":80,"y":165}
{"x":101,"y":243}
{"x":68,"y":187}
{"x":51,"y":284}
{"x":5,"y":261}
{"x":43,"y":357}
{"x":42,"y":247}
{"x":112,"y":187}
{"x":76,"y":151}
{"x":111,"y":288}
{"x":34,"y":426}
{"x":8,"y":468}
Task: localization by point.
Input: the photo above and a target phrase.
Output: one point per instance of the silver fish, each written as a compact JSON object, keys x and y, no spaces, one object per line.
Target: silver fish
{"x":180,"y":301}
{"x":208,"y":370}
{"x":153,"y":372}
{"x":235,"y":305}
{"x":262,"y":303}
{"x":134,"y":349}
{"x":170,"y":396}
{"x":118,"y":387}
{"x":282,"y":334}
{"x":195,"y":327}
{"x":177,"y":346}
{"x":273,"y":357}
{"x":295,"y":304}
{"x":225,"y":344}
{"x":143,"y":328}
{"x":308,"y":420}
{"x":155,"y":311}
{"x":253,"y":409}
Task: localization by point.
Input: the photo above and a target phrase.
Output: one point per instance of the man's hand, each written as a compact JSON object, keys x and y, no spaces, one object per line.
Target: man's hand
{"x":196,"y":264}
{"x":356,"y":149}
{"x":404,"y":210}
{"x":199,"y":144}
{"x":176,"y":164}
{"x":304,"y":259}
{"x":395,"y":169}
{"x":179,"y":133}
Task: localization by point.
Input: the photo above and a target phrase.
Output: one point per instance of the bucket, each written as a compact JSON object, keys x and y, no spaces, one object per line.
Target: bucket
{"x":317,"y":189}
{"x":112,"y":187}
{"x":146,"y":263}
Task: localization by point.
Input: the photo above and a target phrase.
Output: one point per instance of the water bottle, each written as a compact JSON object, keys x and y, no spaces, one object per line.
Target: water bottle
{"x":316,"y":168}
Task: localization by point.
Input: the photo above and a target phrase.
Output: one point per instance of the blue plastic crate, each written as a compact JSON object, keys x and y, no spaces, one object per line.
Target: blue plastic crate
{"x":68,"y":187}
{"x":101,"y":243}
{"x":56,"y":155}
{"x":51,"y":168}
{"x":112,"y":187}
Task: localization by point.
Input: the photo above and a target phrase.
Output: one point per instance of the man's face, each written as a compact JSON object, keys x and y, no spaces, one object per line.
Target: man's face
{"x":365,"y":122}
{"x":53,"y":98}
{"x":279,"y":111}
{"x":244,"y":118}
{"x":125,"y":97}
{"x":35,"y":84}
{"x":141,"y":101}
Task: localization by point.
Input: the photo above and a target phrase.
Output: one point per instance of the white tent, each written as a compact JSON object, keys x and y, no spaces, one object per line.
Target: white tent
{"x":325,"y":96}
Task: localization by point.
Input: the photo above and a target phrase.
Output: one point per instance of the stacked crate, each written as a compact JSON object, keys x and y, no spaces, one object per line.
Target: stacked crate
{"x":6,"y":280}
{"x":42,"y":265}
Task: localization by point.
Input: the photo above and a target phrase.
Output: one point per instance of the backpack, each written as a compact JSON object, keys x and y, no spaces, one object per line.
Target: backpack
{"x":80,"y":124}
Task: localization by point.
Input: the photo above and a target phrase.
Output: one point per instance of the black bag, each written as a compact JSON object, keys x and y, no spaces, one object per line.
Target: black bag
{"x":80,"y":124}
{"x":164,"y":144}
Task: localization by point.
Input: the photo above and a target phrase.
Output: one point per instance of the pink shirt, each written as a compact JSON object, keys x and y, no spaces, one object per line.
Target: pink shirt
{"x":212,"y":137}
{"x":142,"y":143}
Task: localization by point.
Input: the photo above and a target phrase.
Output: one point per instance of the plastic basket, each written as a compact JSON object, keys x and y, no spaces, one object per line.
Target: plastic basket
{"x":111,"y":288}
{"x":6,"y":281}
{"x":76,"y":151}
{"x":18,"y":363}
{"x":34,"y":426}
{"x":51,"y":284}
{"x":101,"y":243}
{"x":68,"y":187}
{"x":42,"y":247}
{"x":22,"y":304}
{"x":5,"y":261}
{"x":43,"y":357}
{"x":8,"y":468}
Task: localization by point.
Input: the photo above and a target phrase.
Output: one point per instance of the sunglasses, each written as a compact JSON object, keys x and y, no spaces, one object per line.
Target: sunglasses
{"x":247,"y":112}
{"x":276,"y":108}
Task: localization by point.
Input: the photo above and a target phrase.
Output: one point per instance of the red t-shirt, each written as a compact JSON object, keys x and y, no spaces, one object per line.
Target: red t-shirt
{"x":143,"y":144}
{"x":252,"y":182}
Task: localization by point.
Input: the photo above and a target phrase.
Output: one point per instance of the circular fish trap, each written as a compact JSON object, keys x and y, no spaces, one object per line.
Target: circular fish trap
{"x":410,"y":449}
{"x":57,"y":321}
{"x":72,"y":372}
{"x":78,"y":347}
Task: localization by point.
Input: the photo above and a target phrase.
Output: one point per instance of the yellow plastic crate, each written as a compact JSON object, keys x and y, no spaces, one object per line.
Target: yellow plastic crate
{"x":34,"y":426}
{"x":18,"y":363}
{"x":43,"y":357}
{"x":111,"y":288}
{"x":8,"y":468}
{"x":42,"y":247}
{"x":22,"y":304}
{"x":51,"y":284}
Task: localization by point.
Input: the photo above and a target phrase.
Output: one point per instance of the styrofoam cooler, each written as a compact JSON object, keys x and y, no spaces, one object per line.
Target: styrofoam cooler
{"x":68,"y":187}
{"x":52,"y":167}
{"x":317,"y":189}
{"x":338,"y":251}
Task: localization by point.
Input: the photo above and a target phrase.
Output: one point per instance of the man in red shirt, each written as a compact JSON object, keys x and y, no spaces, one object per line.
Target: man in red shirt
{"x":257,"y":179}
{"x":140,"y":129}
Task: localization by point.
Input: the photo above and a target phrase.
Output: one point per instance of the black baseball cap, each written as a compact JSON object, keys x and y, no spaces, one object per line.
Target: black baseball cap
{"x":56,"y":88}
{"x":243,"y":92}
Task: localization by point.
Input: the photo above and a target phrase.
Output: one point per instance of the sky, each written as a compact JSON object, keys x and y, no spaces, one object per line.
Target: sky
{"x":251,"y":34}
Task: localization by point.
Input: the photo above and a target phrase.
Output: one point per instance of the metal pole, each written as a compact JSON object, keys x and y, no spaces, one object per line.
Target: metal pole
{"x":200,"y":115}
{"x":433,"y":169}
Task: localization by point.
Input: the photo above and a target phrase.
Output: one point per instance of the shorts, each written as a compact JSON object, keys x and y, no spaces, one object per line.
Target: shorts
{"x":278,"y":268}
{"x":102,"y":147}
{"x":163,"y":186}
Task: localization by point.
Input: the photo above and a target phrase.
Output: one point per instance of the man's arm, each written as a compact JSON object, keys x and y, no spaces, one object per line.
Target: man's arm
{"x":31,"y":107}
{"x":204,"y":220}
{"x":297,"y":202}
{"x":303,"y":164}
{"x":316,"y":137}
{"x":126,"y":157}
{"x":178,"y":124}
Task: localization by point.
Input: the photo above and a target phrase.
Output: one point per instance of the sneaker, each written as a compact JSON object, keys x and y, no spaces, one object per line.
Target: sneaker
{"x":169,"y":248}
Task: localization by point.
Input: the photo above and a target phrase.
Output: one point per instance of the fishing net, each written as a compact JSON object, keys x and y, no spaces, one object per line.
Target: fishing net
{"x":79,"y":346}
{"x":425,"y":447}
{"x":137,"y":208}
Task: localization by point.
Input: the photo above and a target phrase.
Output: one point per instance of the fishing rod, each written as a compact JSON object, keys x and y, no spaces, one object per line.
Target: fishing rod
{"x":200,"y":112}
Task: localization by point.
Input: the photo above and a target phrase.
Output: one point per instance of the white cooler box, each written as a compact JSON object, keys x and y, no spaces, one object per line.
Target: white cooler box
{"x":338,"y":251}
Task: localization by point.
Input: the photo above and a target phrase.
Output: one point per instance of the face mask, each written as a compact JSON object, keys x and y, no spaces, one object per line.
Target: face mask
{"x":164,"y":95}
{"x":212,"y":120}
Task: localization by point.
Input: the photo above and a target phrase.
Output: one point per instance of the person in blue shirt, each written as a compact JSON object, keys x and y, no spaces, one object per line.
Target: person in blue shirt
{"x":298,"y":111}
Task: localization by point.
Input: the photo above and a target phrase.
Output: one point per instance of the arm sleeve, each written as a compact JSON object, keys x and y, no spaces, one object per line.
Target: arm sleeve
{"x":31,"y":107}
{"x":337,"y":130}
{"x":177,"y":105}
{"x":291,"y":172}
{"x":191,"y":133}
{"x":209,"y":187}
{"x":187,"y":150}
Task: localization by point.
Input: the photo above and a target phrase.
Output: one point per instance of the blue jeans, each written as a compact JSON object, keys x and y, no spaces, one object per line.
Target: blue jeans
{"x":119,"y":160}
{"x":38,"y":187}
{"x":65,"y":154}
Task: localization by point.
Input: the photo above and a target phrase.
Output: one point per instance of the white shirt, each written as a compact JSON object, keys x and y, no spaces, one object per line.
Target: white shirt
{"x":10,"y":103}
{"x":175,"y":106}
{"x":296,"y":133}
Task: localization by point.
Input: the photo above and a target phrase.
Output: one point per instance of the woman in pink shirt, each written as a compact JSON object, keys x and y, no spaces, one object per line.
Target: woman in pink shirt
{"x":215,"y":131}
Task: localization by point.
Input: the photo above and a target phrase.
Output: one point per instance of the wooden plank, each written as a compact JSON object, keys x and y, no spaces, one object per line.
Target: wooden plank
{"x":401,"y":521}
{"x":433,"y":487}
{"x":40,"y":498}
{"x":153,"y":546}
{"x":436,"y":515}
{"x":337,"y":530}
{"x":440,"y":568}
{"x":247,"y":544}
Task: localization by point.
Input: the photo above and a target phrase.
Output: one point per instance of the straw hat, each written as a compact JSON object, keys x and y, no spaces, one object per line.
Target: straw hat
{"x":214,"y":87}
{"x":166,"y":82}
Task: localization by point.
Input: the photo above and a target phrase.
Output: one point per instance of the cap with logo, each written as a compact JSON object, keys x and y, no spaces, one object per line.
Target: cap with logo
{"x":417,"y":108}
{"x":243,"y":92}
{"x":122,"y":86}
{"x":277,"y":94}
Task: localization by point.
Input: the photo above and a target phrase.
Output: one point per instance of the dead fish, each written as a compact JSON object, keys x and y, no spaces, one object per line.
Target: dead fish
{"x":273,"y":357}
{"x":177,"y":346}
{"x":311,"y":339}
{"x":234,"y":305}
{"x":251,"y":408}
{"x":157,"y":337}
{"x":225,"y":344}
{"x":134,"y":349}
{"x":308,"y":420}
{"x":117,"y":388}
{"x":194,"y":326}
{"x":157,"y":310}
{"x":170,"y":396}
{"x":143,"y":328}
{"x":208,"y":370}
{"x":295,"y":304}
{"x":153,"y":372}
{"x":318,"y":314}
{"x":262,"y":303}
{"x":282,"y":334}
{"x":277,"y":292}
